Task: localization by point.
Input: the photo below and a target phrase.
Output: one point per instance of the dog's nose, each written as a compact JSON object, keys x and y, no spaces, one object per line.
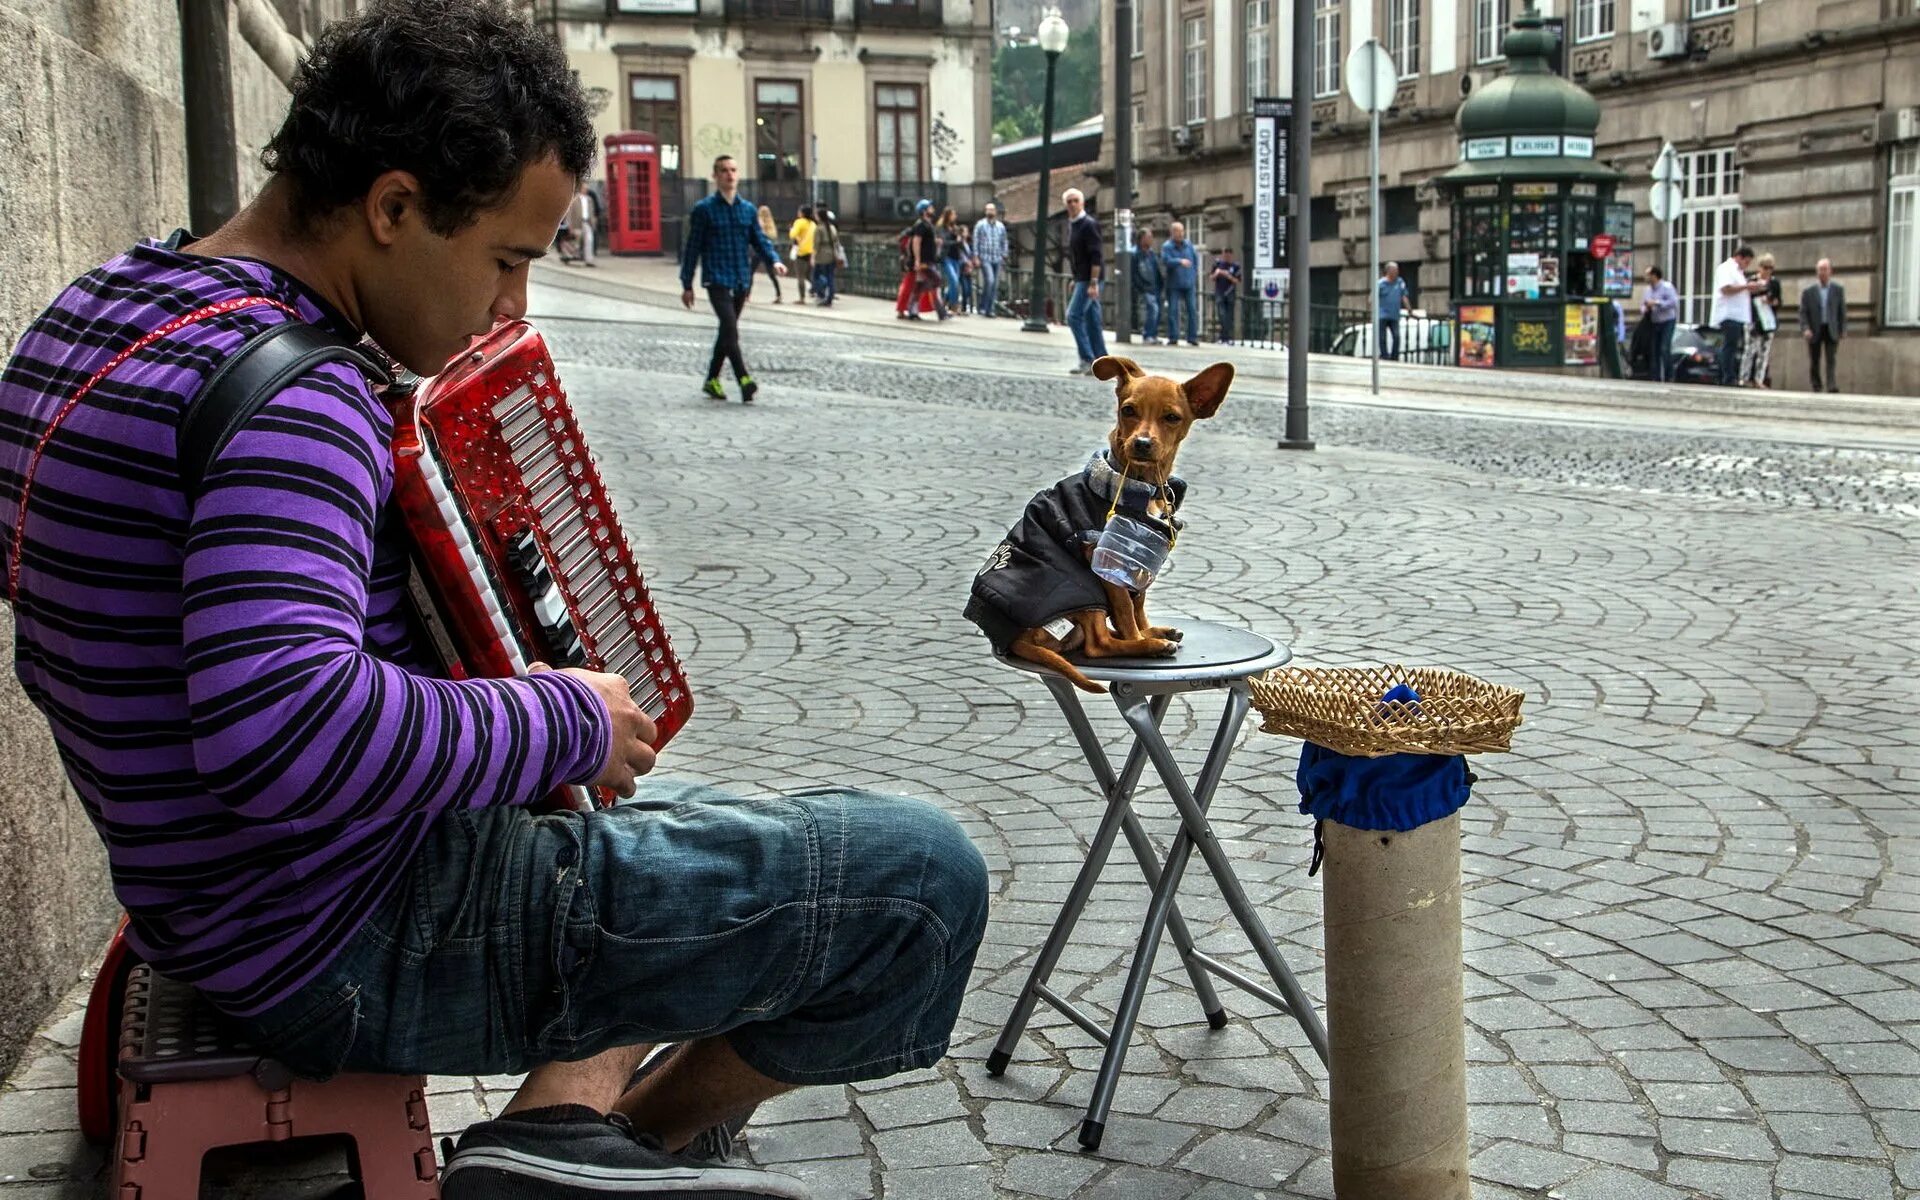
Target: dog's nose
{"x":1142,"y":447}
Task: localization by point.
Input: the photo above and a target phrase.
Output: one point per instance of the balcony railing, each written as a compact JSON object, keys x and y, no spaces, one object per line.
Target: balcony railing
{"x":899,"y":14}
{"x":797,"y":12}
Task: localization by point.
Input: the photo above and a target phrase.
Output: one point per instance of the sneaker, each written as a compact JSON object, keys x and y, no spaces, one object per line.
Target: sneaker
{"x":573,"y":1153}
{"x":1080,"y":368}
{"x":1149,"y":341}
{"x":946,"y":316}
{"x":747,"y":389}
{"x":713,"y":1144}
{"x":712,"y":388}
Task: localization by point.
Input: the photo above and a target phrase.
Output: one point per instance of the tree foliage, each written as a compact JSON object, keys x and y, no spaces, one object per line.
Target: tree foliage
{"x":1020,"y":87}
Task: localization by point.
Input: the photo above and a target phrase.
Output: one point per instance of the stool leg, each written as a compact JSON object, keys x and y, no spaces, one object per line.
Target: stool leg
{"x":1119,"y":792}
{"x":1210,"y":1005}
{"x":1193,"y":817}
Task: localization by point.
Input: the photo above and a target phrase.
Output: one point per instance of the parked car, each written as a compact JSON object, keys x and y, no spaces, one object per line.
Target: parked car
{"x":1423,"y":339}
{"x":1695,"y":358}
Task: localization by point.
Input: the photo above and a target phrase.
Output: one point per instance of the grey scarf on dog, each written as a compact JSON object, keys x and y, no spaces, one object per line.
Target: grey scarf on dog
{"x":1135,"y":494}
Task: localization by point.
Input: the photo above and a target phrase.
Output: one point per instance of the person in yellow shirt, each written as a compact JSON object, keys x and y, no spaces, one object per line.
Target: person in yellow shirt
{"x":801,"y":235}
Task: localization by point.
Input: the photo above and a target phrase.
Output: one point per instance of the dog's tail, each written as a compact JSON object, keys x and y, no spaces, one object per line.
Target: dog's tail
{"x":1056,"y":661}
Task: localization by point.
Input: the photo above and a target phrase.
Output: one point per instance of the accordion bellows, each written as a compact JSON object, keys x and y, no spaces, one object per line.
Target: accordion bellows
{"x":521,"y":556}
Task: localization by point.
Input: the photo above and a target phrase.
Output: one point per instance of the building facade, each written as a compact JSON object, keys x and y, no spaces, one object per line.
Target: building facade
{"x":1797,"y":123}
{"x":863,"y":104}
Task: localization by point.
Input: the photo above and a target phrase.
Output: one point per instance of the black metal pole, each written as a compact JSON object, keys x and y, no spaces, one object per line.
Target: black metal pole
{"x":206,"y":85}
{"x":1123,"y":168}
{"x":1299,"y":228}
{"x":1036,"y":321}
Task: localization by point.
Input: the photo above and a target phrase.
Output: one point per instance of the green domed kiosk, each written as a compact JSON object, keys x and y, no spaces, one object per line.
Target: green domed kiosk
{"x":1539,"y":245}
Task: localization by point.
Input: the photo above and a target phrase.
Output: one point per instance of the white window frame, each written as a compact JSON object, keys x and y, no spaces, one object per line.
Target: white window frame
{"x":1403,"y":36}
{"x":1326,"y":47}
{"x":1707,"y":230}
{"x":1193,"y":72}
{"x":1712,"y":8}
{"x":1593,"y":20}
{"x":1259,"y":63}
{"x":1491,"y":20}
{"x":1139,"y":28}
{"x":1902,"y":300}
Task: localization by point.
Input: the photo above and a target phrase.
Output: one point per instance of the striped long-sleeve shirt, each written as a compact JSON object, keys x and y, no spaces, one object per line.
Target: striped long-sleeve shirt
{"x":230,"y":682}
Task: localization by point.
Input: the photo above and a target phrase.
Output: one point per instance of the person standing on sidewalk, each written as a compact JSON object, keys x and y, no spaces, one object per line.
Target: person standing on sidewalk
{"x":800,"y":233}
{"x":1182,"y":263}
{"x":1089,"y":265}
{"x":1823,"y":322}
{"x":827,"y":254}
{"x":990,"y":251}
{"x":1755,"y":361}
{"x":924,"y":280}
{"x":724,"y":236}
{"x":951,"y":255}
{"x":1393,"y":302}
{"x":772,"y":234}
{"x":1149,"y":280}
{"x":1661,"y":309}
{"x":1226,"y":292}
{"x":1733,"y":311}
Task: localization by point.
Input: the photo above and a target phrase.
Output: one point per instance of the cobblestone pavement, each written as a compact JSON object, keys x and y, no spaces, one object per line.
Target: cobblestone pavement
{"x":1692,"y":894}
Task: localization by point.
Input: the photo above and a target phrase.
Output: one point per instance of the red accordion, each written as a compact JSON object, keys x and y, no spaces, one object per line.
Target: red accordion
{"x":520,"y":557}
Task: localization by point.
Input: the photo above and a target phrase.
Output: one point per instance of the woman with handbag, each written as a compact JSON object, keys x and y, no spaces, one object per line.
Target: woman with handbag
{"x":773,"y":235}
{"x":1757,"y":357}
{"x":828,"y":254}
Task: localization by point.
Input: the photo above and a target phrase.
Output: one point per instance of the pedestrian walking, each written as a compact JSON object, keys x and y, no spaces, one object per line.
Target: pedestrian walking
{"x":1182,"y":263}
{"x":800,"y":233}
{"x":1733,"y":311}
{"x":922,"y":254}
{"x":1823,"y":322}
{"x":1226,"y":292}
{"x":772,"y":234}
{"x":724,"y":236}
{"x":967,"y":273}
{"x":990,"y":252}
{"x":1660,"y":308}
{"x":950,"y":254}
{"x":582,"y":215}
{"x":1089,"y":265}
{"x":1393,"y":302}
{"x":1756,"y":359}
{"x":828,"y":254}
{"x":1149,"y":281}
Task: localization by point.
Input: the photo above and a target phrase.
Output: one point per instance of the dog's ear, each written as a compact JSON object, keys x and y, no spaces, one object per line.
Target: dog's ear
{"x":1108,"y":366}
{"x":1206,"y":390}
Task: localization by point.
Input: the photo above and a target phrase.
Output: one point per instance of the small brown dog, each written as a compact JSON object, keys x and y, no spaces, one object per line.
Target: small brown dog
{"x":1037,"y":598}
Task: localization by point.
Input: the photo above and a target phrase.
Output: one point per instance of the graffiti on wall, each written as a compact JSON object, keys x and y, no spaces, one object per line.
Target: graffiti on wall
{"x":713,"y":140}
{"x":945,"y":141}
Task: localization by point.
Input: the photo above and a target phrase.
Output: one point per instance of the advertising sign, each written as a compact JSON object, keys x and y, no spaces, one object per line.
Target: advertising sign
{"x":1582,"y":345}
{"x":1602,"y":245}
{"x":1535,"y":145}
{"x":1476,"y":335}
{"x":1272,"y":121}
{"x":1523,"y":275}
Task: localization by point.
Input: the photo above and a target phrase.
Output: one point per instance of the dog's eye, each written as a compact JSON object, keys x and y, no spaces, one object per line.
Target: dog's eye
{"x":1128,"y":410}
{"x":1173,"y":418}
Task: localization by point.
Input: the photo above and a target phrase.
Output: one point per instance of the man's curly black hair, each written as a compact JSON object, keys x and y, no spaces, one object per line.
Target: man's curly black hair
{"x":465,"y":94}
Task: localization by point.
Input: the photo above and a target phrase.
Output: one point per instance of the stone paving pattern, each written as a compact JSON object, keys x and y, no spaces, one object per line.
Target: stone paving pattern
{"x":1692,"y":895}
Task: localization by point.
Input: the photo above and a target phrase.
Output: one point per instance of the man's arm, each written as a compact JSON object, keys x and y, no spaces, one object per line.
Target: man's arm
{"x":1839,"y":312}
{"x":292,"y":719}
{"x":696,"y":245}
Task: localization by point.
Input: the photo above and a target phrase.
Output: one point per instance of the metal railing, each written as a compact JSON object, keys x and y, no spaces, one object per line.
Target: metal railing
{"x":898,"y":14}
{"x":804,"y":12}
{"x":884,"y":202}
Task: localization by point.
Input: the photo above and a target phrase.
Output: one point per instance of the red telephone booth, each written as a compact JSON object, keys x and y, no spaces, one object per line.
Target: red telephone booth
{"x":633,"y":193}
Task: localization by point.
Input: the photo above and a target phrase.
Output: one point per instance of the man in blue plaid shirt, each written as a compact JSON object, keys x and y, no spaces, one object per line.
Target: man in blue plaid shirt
{"x":990,"y":251}
{"x":723,"y":236}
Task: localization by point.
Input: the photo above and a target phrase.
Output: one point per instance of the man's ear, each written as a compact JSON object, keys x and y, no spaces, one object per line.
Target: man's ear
{"x":1206,"y":390}
{"x":1108,"y":366}
{"x":392,"y":198}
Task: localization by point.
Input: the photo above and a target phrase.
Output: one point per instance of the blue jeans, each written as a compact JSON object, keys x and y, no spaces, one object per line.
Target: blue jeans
{"x":1223,"y":303}
{"x":989,"y":286}
{"x":823,"y":279}
{"x":827,"y":934}
{"x":1663,"y":350}
{"x":950,"y":269}
{"x":1151,"y":302}
{"x":1083,"y":319}
{"x":1733,"y":339}
{"x":1390,"y":337}
{"x":1176,"y":297}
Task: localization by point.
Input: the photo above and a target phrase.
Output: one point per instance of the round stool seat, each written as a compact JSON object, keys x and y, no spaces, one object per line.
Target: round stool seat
{"x":1209,"y":653}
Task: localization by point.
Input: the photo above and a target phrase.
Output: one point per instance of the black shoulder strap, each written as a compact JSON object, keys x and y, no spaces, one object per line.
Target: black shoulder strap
{"x":257,"y":371}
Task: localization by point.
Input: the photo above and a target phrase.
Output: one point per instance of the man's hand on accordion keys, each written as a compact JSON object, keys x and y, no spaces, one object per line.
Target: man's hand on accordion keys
{"x":630,"y":748}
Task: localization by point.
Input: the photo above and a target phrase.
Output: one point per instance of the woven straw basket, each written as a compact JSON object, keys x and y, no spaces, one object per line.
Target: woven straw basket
{"x":1340,"y":708}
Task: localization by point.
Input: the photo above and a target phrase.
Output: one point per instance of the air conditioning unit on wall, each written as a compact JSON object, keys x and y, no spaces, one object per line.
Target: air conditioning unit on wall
{"x":1182,"y":137}
{"x":1667,"y":41}
{"x":1898,"y":125}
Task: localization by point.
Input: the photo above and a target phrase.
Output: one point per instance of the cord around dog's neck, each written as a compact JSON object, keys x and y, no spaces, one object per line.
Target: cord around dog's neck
{"x":1120,"y":490}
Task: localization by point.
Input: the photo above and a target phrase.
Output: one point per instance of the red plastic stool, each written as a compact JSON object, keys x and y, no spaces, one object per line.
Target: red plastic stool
{"x":189,"y":1084}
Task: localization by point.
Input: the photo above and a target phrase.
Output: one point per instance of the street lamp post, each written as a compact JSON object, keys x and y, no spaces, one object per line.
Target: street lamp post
{"x":1053,"y":42}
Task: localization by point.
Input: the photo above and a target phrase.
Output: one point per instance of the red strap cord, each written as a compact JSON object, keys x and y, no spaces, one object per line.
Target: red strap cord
{"x":220,"y":308}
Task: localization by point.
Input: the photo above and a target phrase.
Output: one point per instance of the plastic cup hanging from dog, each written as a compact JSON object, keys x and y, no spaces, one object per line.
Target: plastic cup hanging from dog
{"x":1133,"y":550}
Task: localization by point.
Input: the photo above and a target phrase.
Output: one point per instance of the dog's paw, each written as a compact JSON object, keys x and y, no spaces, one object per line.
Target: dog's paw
{"x":1165,"y":631}
{"x":1163,"y":647}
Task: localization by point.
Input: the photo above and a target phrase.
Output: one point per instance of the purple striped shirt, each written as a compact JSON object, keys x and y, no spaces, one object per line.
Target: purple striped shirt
{"x":232,"y":684}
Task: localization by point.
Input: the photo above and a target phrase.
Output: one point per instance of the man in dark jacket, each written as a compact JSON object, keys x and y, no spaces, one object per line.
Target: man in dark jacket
{"x":1149,"y":279}
{"x":925,"y":273}
{"x":1823,"y":322}
{"x":1083,"y":310}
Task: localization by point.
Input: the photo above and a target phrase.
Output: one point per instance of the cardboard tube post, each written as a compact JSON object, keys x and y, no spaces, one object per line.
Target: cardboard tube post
{"x":1395,"y":1026}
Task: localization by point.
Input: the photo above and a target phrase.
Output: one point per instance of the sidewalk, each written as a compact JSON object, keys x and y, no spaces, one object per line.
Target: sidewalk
{"x":1882,"y":422}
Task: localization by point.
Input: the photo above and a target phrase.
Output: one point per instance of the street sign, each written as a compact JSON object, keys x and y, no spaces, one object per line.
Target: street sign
{"x":1601,"y":245}
{"x":1270,"y":283}
{"x":1666,"y":167}
{"x":1272,"y":119}
{"x":1371,"y":76}
{"x":1664,"y":200}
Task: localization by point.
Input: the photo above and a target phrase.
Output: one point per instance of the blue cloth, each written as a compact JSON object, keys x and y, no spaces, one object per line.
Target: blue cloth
{"x":989,"y":286}
{"x":1151,"y":302}
{"x":990,"y":241}
{"x":1663,"y":303}
{"x":1733,"y":340}
{"x":1390,"y":338}
{"x":1393,"y":295}
{"x":1170,"y":254}
{"x":1083,"y":318}
{"x":724,"y":239}
{"x":1398,"y":791}
{"x":1179,"y":299}
{"x":1663,"y":351}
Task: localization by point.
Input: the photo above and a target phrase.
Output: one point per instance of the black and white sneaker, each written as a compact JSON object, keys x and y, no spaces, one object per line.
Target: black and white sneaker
{"x":574,"y":1153}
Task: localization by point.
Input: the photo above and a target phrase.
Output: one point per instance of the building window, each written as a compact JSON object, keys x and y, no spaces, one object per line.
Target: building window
{"x":1194,"y":76}
{"x":1139,"y":27}
{"x":1139,"y":122}
{"x":1326,"y":47}
{"x":1707,"y":230}
{"x":1490,"y":21}
{"x":1399,"y":210}
{"x":1903,"y":236}
{"x":896,"y":132}
{"x":1403,"y":36}
{"x":779,"y":130}
{"x":653,"y":106}
{"x":1259,"y":50}
{"x":1592,"y":20}
{"x":1713,"y":8}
